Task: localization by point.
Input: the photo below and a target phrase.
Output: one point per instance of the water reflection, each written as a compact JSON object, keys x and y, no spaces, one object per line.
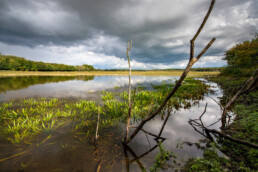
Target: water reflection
{"x":16,"y":83}
{"x":67,"y":86}
{"x":142,"y":150}
{"x":178,"y":132}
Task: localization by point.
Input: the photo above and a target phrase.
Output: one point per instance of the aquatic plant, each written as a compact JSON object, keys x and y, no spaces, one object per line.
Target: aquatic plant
{"x":24,"y":118}
{"x":161,"y":158}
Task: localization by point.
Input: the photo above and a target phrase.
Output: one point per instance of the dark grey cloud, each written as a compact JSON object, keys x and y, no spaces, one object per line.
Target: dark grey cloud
{"x":160,"y":30}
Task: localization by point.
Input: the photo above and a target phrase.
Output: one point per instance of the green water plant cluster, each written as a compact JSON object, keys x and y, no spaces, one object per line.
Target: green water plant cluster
{"x":161,"y":159}
{"x":210,"y":161}
{"x":24,"y":118}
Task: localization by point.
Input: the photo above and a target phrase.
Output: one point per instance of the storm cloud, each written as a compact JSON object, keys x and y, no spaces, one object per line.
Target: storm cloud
{"x":96,"y":31}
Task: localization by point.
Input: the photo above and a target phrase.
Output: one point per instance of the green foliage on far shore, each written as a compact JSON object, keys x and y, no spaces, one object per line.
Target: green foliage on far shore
{"x":8,"y":62}
{"x":242,"y":59}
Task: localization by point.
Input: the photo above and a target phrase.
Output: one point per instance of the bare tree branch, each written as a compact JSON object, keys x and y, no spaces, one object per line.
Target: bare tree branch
{"x":200,"y":29}
{"x":205,"y":49}
{"x":179,"y":82}
{"x":204,"y":20}
{"x":234,"y":140}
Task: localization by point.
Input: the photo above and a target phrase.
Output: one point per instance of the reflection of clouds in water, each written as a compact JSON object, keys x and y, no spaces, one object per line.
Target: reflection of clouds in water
{"x":79,"y":88}
{"x":179,"y":130}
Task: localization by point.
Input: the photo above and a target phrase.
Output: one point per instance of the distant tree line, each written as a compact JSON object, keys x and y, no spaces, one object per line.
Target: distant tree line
{"x":14,"y":63}
{"x":193,"y":69}
{"x":242,"y":59}
{"x":207,"y":69}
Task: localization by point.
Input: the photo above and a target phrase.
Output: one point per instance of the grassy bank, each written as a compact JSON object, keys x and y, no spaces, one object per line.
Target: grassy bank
{"x":96,"y":73}
{"x":244,"y":127}
{"x":245,"y":124}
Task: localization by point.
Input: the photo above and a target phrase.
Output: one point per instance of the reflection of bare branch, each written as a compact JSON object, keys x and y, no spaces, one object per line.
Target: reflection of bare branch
{"x":206,"y":132}
{"x":215,"y":122}
{"x":234,"y":140}
{"x":200,"y":118}
{"x":147,"y":139}
{"x":137,"y":158}
{"x":154,"y":135}
{"x":127,"y":148}
{"x":194,"y":124}
{"x":216,"y":102}
{"x":162,"y":128}
{"x":127,"y":160}
{"x":194,"y":127}
{"x":147,"y":152}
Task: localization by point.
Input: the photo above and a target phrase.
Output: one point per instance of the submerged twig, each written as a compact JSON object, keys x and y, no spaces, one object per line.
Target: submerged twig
{"x":99,"y":166}
{"x":97,"y":128}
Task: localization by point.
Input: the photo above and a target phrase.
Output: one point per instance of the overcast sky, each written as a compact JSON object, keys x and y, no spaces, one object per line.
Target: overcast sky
{"x":96,"y":31}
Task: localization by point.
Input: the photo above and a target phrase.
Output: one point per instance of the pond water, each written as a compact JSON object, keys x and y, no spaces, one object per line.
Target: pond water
{"x":67,"y":152}
{"x":68,"y":86}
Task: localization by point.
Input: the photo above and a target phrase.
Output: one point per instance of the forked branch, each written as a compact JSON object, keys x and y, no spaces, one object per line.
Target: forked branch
{"x":191,"y":62}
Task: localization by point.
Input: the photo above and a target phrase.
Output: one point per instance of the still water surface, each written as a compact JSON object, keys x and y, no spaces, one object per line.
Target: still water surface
{"x":110,"y":154}
{"x":68,"y":86}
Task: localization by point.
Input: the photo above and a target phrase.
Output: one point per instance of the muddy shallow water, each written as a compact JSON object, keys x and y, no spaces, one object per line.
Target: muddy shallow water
{"x":67,"y":150}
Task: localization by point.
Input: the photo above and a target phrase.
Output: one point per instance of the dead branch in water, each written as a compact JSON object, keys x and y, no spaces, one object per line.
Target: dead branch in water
{"x":206,"y":132}
{"x":191,"y":62}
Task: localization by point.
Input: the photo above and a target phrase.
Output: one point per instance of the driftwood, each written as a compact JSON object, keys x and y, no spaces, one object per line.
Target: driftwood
{"x":252,"y":145}
{"x":135,"y":157}
{"x":191,"y":62}
{"x":206,"y":133}
{"x":250,"y":85}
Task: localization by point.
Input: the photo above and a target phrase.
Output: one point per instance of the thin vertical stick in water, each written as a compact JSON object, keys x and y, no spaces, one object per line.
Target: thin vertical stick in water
{"x":129,"y":46}
{"x":97,"y":128}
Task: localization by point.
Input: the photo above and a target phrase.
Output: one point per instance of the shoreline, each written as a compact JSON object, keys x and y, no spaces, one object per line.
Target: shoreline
{"x":99,"y":73}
